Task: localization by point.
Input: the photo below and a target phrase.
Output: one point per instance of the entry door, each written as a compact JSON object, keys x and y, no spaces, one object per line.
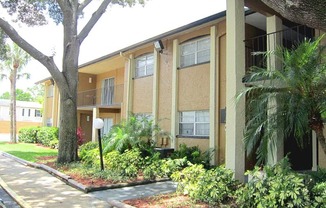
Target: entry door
{"x":108,"y":123}
{"x":86,"y":125}
{"x":108,"y":91}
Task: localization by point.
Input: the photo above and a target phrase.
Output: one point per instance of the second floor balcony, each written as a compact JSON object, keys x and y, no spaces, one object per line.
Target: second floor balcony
{"x":110,"y":96}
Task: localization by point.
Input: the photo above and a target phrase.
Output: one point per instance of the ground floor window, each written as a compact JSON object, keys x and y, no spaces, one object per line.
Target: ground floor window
{"x":194,"y":123}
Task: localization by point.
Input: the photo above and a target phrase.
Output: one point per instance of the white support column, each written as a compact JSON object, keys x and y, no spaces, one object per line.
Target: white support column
{"x":175,"y":90}
{"x":212,"y":95}
{"x":274,"y":24}
{"x":155,"y":87}
{"x":314,"y":152}
{"x":235,"y":111}
{"x":96,"y":114}
{"x":130,"y":86}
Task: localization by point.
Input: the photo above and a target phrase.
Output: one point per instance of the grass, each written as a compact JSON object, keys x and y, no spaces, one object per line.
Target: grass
{"x":29,"y":152}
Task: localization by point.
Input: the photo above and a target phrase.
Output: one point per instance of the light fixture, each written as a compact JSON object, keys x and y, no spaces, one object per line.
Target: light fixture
{"x":98,"y":124}
{"x":90,"y":80}
{"x":159,"y":46}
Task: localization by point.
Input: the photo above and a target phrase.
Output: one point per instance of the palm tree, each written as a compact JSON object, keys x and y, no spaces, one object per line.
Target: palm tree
{"x":11,"y":68}
{"x":299,"y":91}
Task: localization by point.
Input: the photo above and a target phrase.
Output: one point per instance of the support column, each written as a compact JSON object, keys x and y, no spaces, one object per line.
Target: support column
{"x":274,"y":24}
{"x":96,"y":114}
{"x":130,"y":86}
{"x":155,"y":88}
{"x":55,"y":106}
{"x":314,"y":152}
{"x":175,"y":91}
{"x":235,"y":111}
{"x":212,"y":96}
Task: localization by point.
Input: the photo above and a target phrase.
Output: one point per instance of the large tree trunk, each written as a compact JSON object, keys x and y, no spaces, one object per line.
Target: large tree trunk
{"x":68,"y":126}
{"x":12,"y":78}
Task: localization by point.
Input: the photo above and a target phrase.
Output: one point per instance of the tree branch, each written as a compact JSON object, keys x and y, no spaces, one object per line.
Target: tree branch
{"x":92,"y":21}
{"x":82,"y":6}
{"x":31,"y":50}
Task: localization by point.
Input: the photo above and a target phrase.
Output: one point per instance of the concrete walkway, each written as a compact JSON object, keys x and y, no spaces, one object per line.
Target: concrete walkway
{"x":33,"y":187}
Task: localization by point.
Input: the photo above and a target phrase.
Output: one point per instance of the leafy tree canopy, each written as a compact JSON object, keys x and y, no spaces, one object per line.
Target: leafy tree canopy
{"x":21,"y":95}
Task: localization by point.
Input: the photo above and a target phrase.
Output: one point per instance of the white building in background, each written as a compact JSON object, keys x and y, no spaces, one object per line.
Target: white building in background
{"x":27,"y":114}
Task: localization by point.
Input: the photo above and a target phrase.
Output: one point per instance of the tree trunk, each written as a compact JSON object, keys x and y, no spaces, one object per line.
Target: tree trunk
{"x":67,"y":130}
{"x":12,"y":78}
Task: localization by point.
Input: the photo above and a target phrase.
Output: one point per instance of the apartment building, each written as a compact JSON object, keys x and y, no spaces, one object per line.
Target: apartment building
{"x":27,"y":114}
{"x":187,"y":80}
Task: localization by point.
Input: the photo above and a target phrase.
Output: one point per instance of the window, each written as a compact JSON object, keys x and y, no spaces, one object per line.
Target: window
{"x":144,"y":65}
{"x":38,"y":113}
{"x":194,"y":123}
{"x":195,"y":52}
{"x":108,"y":91}
{"x":23,"y":112}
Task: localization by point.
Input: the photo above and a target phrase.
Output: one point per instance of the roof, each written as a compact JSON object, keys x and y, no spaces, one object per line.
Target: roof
{"x":23,"y":104}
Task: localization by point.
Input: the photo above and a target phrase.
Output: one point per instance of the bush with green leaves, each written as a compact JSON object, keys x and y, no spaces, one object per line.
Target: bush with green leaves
{"x":89,"y":153}
{"x":28,"y":134}
{"x":319,"y":195}
{"x":48,"y":136}
{"x":136,"y":132}
{"x":214,"y":186}
{"x":154,"y":167}
{"x":193,"y":155}
{"x":126,"y":164}
{"x":277,"y":186}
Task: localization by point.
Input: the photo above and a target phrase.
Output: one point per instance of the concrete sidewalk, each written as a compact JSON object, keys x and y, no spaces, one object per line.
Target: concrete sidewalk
{"x":34,"y":188}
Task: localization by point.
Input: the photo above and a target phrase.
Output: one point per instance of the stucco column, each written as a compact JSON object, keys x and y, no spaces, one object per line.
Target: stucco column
{"x":175,"y":91}
{"x":130,"y":86}
{"x":235,"y":70}
{"x":96,"y":114}
{"x":314,"y":152}
{"x":212,"y":96}
{"x":155,"y":88}
{"x":55,"y":106}
{"x":274,"y":24}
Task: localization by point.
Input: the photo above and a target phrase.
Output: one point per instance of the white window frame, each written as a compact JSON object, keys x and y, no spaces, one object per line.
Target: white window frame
{"x":146,"y":58}
{"x":195,"y":53}
{"x":108,"y":87}
{"x":194,"y":122}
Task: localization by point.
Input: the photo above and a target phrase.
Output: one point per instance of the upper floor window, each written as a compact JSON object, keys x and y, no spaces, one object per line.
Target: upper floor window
{"x":195,"y":52}
{"x":194,"y":123}
{"x":38,"y":113}
{"x":144,"y":65}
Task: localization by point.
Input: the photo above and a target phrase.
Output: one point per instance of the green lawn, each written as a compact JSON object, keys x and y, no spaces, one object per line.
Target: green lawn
{"x":25,"y":151}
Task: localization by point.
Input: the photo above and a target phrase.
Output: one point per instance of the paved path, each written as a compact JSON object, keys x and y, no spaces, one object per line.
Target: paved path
{"x":37,"y":188}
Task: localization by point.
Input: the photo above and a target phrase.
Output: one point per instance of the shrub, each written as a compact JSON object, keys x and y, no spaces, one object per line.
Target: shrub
{"x":279,"y":187}
{"x":212,"y":186}
{"x":132,"y":133}
{"x":48,"y":136}
{"x":319,"y":195}
{"x":193,"y":155}
{"x":80,"y":136}
{"x":88,"y":152}
{"x":28,"y":134}
{"x":126,"y":164}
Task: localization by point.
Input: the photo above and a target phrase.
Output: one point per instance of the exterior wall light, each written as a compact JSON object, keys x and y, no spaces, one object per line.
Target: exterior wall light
{"x":159,"y":46}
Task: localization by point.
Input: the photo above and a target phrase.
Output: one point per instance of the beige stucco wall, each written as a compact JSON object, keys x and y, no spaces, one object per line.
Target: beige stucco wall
{"x":84,"y":83}
{"x":143,"y":95}
{"x":5,"y":125}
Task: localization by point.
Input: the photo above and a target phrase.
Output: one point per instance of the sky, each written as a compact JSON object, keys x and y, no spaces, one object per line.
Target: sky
{"x":118,"y":28}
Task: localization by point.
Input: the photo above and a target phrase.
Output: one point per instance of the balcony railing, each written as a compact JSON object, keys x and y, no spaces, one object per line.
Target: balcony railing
{"x":102,"y":97}
{"x":288,"y":38}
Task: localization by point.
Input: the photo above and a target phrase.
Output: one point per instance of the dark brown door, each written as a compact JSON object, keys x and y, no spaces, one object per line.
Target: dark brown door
{"x":86,"y":125}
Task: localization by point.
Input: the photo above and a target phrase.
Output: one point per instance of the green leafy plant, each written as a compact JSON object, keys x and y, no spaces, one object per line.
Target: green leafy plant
{"x":214,"y":186}
{"x":319,"y":195}
{"x":48,"y":136}
{"x":126,"y":164}
{"x":136,"y":132}
{"x":277,"y":186}
{"x":28,"y":134}
{"x":193,"y":154}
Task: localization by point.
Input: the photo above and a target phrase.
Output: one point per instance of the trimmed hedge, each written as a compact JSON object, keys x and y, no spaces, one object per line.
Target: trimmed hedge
{"x":47,"y":136}
{"x":28,"y":134}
